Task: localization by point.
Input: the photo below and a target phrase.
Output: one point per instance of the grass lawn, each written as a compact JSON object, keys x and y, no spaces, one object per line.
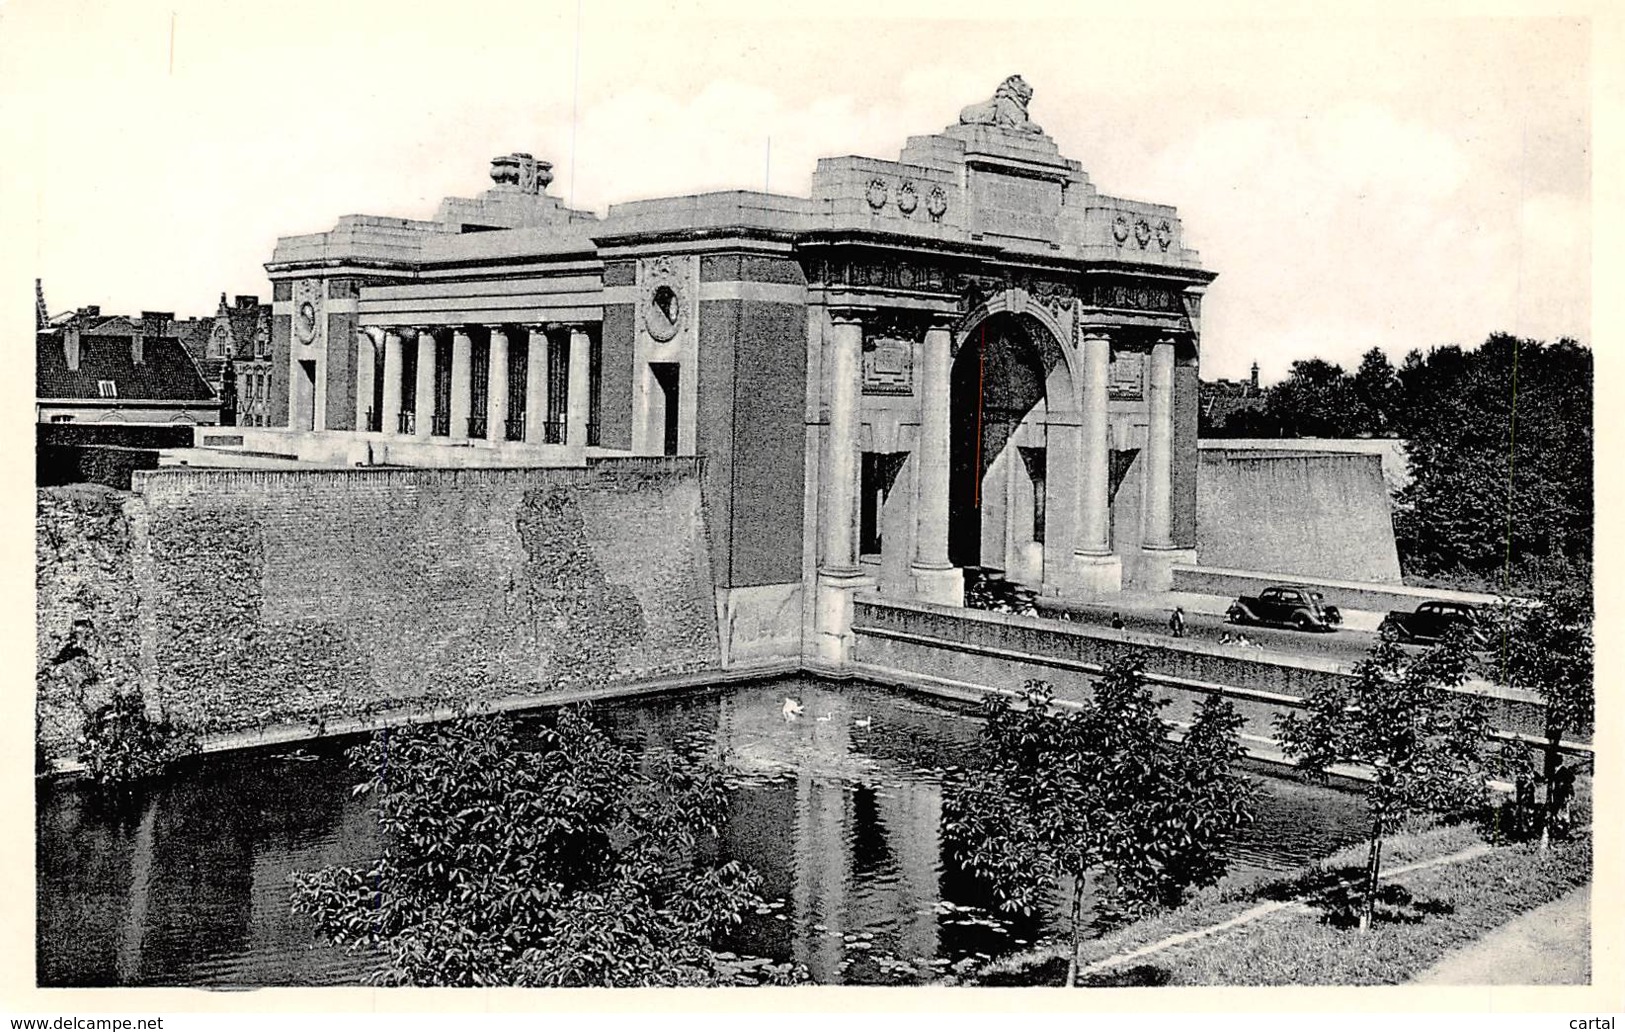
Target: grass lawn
{"x":1423,"y":915}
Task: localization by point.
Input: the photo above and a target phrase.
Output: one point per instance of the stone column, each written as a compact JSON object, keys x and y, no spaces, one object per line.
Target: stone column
{"x":1157,"y":530}
{"x":462,"y":383}
{"x":838,"y":574}
{"x":393,"y":368}
{"x":1099,"y":571}
{"x":1094,"y":525}
{"x":425,"y":398}
{"x":496,"y":391}
{"x":935,"y":578}
{"x":365,"y":362}
{"x":575,"y":426}
{"x":1159,"y":449}
{"x":535,"y":384}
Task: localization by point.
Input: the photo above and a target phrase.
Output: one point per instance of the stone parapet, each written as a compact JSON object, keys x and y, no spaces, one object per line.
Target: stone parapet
{"x":1000,"y":651}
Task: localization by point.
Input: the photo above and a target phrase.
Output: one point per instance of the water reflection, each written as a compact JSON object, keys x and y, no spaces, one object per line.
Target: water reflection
{"x":839,"y":810}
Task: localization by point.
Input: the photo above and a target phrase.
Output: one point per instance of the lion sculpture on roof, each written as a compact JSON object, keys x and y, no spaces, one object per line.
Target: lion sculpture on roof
{"x":1007,"y":108}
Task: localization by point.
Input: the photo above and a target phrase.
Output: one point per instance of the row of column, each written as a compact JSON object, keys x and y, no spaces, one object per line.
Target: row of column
{"x":496,"y":414}
{"x":1088,"y":444}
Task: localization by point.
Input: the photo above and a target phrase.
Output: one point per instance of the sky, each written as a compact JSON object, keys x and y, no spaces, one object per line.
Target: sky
{"x":1355,"y":183}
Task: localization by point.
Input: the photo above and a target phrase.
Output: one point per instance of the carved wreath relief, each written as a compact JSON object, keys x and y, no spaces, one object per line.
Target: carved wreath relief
{"x":907,"y":199}
{"x":1142,"y":232}
{"x":1165,"y":234}
{"x":1120,"y":228}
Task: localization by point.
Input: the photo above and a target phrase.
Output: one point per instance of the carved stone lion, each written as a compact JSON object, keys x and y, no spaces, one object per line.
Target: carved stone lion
{"x":1007,"y":108}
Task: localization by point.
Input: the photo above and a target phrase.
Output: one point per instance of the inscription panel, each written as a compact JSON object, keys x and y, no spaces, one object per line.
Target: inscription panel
{"x":888,"y":366}
{"x":1012,"y":206}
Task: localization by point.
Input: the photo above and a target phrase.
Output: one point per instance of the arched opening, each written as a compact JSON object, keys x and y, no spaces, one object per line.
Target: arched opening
{"x":997,"y":440}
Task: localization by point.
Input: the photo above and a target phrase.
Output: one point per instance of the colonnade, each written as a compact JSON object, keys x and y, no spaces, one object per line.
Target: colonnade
{"x":1079,"y":475}
{"x":538,"y":423}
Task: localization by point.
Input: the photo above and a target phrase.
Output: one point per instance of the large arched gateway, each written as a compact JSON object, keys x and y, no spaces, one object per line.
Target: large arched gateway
{"x":968,"y":357}
{"x":1010,"y":373}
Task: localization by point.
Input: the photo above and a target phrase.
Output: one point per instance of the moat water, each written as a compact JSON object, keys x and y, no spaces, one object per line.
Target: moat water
{"x":838,"y":810}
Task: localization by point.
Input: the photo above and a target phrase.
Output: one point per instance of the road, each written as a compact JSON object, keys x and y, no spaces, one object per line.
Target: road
{"x":1343,"y":646}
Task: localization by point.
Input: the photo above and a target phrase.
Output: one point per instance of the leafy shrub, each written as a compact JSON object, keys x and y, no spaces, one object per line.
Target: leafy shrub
{"x":123,"y":744}
{"x":570,"y":861}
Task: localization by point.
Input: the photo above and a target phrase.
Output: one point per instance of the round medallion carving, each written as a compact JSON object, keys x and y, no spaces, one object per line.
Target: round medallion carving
{"x":876,"y":194}
{"x":1165,"y":234}
{"x":936,"y":203}
{"x":665,"y":303}
{"x":1142,"y":232}
{"x":306,"y":311}
{"x":907,"y":199}
{"x":1120,"y":228}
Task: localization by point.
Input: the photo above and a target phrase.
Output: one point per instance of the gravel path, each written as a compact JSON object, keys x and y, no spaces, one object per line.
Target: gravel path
{"x":1550,"y":945}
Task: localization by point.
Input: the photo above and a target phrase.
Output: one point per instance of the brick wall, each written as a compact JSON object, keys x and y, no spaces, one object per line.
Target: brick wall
{"x":269,"y":597}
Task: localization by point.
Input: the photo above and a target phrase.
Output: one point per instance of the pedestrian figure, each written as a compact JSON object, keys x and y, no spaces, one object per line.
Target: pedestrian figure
{"x":1176,"y":622}
{"x":1117,"y":621}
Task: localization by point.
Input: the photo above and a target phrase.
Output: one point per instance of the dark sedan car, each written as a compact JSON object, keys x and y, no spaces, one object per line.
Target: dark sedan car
{"x":1286,"y":605}
{"x":1432,"y":621}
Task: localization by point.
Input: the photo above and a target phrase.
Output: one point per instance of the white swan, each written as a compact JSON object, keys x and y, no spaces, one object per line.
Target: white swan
{"x":862,"y":721}
{"x":791,"y":709}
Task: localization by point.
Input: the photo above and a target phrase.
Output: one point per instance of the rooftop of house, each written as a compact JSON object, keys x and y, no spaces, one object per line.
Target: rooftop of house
{"x":79,"y":359}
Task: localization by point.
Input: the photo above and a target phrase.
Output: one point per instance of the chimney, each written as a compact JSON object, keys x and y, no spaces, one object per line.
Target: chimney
{"x":153,"y":325}
{"x":70,"y":345}
{"x":1255,"y":376}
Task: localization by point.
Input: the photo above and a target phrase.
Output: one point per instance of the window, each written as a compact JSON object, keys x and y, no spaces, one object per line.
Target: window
{"x":61,"y":419}
{"x":1033,"y":460}
{"x":106,"y":388}
{"x":595,"y":400}
{"x":878,"y":473}
{"x":558,"y":390}
{"x":668,"y":378}
{"x":1040,"y":497}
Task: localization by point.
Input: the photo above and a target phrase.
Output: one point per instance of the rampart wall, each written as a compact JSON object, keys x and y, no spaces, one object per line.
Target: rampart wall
{"x":272,"y":597}
{"x":1316,"y":514}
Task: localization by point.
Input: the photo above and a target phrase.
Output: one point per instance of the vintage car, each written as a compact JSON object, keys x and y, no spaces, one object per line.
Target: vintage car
{"x":1286,"y":605}
{"x":1432,"y":621}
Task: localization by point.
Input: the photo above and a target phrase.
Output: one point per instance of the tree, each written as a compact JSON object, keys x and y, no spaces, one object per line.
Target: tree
{"x":1375,"y":387}
{"x":1061,"y":794}
{"x":1316,"y":399}
{"x":1402,"y":718}
{"x":1500,"y":444}
{"x":1548,"y":648}
{"x":570,"y":862}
